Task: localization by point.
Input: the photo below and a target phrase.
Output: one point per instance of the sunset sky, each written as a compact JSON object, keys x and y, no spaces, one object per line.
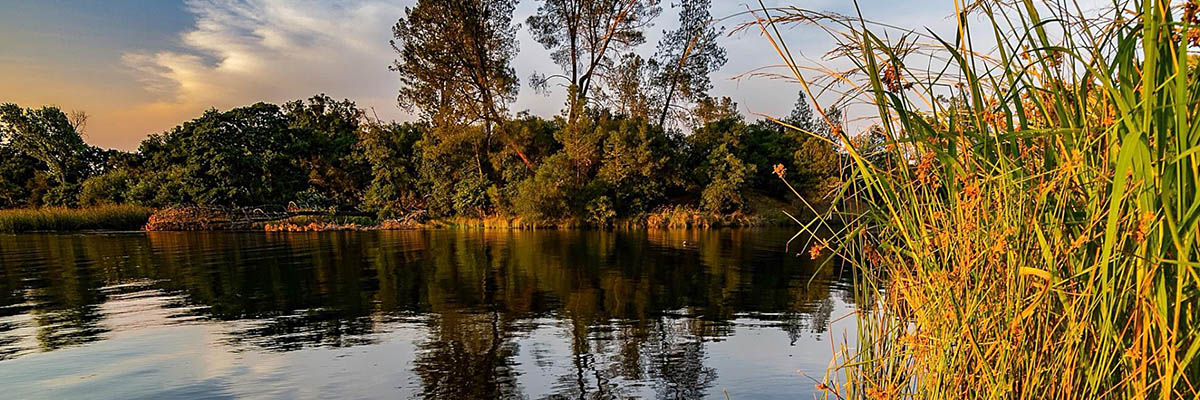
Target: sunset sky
{"x":143,"y":66}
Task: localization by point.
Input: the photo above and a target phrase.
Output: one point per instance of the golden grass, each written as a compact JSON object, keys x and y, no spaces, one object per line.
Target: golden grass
{"x":1033,"y":228}
{"x":109,"y":217}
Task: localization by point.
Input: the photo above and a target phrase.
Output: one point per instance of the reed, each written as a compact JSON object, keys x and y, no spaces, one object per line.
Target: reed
{"x":1030,"y":225}
{"x":108,"y":217}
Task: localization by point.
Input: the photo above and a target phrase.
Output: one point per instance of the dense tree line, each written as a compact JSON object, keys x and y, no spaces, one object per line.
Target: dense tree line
{"x":636,"y":134}
{"x":326,"y":153}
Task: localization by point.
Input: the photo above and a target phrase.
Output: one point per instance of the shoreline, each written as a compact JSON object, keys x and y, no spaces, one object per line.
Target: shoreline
{"x":110,"y":219}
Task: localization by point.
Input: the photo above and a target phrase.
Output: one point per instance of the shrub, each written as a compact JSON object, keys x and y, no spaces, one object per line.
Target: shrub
{"x":727,"y":175}
{"x":471,"y":196}
{"x":109,"y":188}
{"x":600,"y":211}
{"x":545,"y":196}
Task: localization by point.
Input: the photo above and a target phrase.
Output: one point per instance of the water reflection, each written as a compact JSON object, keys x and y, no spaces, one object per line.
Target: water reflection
{"x":497,"y":314}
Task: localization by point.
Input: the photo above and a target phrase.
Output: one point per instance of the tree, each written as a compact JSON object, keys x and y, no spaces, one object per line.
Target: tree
{"x":584,"y":35}
{"x":112,"y":187}
{"x":636,"y":164}
{"x":445,"y":158}
{"x":687,"y":56}
{"x":547,"y":195}
{"x":454,"y":63}
{"x":816,"y":158}
{"x":17,"y":172}
{"x":581,"y":143}
{"x":241,"y":157}
{"x":710,"y":109}
{"x":48,"y":136}
{"x":395,"y":188}
{"x":727,"y":177}
{"x":536,"y":136}
{"x":629,"y":85}
{"x":336,"y":171}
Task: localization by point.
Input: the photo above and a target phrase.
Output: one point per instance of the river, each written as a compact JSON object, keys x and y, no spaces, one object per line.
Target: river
{"x":453,"y":314}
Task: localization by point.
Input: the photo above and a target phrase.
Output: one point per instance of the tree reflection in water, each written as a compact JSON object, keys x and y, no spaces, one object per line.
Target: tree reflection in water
{"x":637,"y":308}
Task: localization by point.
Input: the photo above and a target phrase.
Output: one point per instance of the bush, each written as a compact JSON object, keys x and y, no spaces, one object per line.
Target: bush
{"x":544,"y":197}
{"x":600,"y":211}
{"x":471,"y":196}
{"x":727,"y":176}
{"x":109,"y":188}
{"x":158,"y":189}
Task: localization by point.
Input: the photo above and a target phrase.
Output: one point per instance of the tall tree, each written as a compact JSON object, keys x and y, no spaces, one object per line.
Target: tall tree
{"x":687,"y":56}
{"x":454,"y":63}
{"x":48,"y":136}
{"x":816,"y":160}
{"x":628,"y":87}
{"x":585,"y":35}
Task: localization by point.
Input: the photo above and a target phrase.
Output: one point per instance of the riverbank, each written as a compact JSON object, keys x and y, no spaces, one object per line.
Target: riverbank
{"x":673,"y":217}
{"x":129,"y":217}
{"x":111,"y":217}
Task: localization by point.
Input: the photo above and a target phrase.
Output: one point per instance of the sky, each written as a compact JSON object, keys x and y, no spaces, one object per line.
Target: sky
{"x":140,"y":67}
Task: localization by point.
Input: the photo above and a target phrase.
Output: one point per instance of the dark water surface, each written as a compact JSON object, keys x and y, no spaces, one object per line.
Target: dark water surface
{"x":415,"y":314}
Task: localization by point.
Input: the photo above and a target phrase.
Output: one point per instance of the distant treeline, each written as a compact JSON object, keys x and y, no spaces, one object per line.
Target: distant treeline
{"x":323,"y":153}
{"x":635,"y":134}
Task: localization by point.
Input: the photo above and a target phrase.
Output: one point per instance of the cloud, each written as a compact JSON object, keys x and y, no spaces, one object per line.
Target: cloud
{"x":244,"y":51}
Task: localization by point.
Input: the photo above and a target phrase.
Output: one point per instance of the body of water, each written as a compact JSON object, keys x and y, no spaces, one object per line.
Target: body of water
{"x":447,"y":314}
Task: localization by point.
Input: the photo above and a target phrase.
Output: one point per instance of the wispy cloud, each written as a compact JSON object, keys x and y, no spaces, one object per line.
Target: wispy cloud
{"x":242,"y":51}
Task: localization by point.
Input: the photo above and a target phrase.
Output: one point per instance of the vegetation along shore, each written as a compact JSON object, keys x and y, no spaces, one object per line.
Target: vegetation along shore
{"x":1035,"y":232}
{"x":1019,"y":210}
{"x":638,"y":142}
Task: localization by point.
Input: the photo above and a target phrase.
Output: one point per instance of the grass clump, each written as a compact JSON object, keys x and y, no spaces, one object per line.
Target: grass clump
{"x":108,"y":217}
{"x":1032,"y":227}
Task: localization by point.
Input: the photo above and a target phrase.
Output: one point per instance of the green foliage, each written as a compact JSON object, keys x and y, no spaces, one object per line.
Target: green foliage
{"x":471,"y":197}
{"x":546,"y":196}
{"x":635,"y":163}
{"x":111,"y":187}
{"x":395,"y":187}
{"x":446,"y":158}
{"x":727,"y":176}
{"x":607,"y":156}
{"x":600,"y":211}
{"x":596,"y":168}
{"x":245,"y":156}
{"x":48,"y":137}
{"x":17,"y":172}
{"x":536,"y":137}
{"x":159,"y":189}
{"x":327,"y":131}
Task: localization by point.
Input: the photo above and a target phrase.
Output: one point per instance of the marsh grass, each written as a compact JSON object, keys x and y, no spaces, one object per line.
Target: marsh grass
{"x":1033,"y":217}
{"x":110,"y":217}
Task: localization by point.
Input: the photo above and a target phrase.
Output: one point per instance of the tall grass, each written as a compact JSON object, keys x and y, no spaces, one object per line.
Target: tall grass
{"x":111,"y":217}
{"x":1033,"y":218}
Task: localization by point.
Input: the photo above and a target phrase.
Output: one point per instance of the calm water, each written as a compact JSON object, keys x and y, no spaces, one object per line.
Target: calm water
{"x":415,"y":314}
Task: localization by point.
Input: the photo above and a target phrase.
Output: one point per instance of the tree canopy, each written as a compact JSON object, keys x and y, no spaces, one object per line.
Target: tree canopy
{"x":618,"y":149}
